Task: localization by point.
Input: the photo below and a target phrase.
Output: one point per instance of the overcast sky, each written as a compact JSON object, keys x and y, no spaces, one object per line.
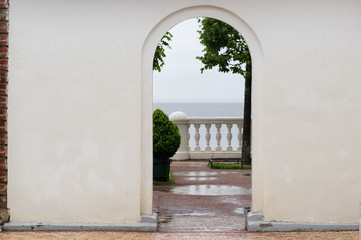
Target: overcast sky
{"x":181,"y":80}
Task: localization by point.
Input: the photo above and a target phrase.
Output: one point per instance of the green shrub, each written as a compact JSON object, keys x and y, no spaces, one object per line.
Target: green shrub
{"x":166,"y":137}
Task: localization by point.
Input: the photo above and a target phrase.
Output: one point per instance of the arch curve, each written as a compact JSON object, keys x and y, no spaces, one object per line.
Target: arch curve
{"x":257,"y":56}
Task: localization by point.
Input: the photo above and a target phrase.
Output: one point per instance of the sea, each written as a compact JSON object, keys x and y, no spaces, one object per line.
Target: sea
{"x":232,"y":109}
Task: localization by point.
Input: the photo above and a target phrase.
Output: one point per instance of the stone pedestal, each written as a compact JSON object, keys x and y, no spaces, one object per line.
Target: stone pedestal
{"x":181,"y":120}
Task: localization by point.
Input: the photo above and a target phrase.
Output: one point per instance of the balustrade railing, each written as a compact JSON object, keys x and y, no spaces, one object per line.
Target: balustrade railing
{"x":186,"y":151}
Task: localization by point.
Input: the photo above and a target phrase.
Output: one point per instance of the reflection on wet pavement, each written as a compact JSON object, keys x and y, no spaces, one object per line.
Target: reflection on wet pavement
{"x":239,"y":210}
{"x":200,"y":173}
{"x":201,"y":178}
{"x":210,"y":190}
{"x":195,"y":214}
{"x":232,"y":200}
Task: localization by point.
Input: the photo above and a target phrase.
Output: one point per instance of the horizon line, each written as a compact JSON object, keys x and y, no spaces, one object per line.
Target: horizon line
{"x":195,"y":102}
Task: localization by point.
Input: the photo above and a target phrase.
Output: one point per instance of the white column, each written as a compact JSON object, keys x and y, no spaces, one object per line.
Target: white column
{"x":229,"y":137}
{"x":208,"y":138}
{"x":218,"y":137}
{"x":197,"y":136}
{"x":181,"y":120}
{"x":360,"y":223}
{"x":239,"y":136}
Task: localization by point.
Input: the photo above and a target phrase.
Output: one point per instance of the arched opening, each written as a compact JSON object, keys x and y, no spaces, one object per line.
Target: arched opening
{"x":147,"y":96}
{"x":208,"y":108}
{"x":181,"y":85}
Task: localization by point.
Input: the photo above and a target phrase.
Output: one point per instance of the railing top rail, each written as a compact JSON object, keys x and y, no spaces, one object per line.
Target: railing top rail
{"x":215,"y":120}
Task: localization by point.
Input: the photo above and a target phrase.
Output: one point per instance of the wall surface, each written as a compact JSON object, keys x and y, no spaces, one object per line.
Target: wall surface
{"x":80,"y":105}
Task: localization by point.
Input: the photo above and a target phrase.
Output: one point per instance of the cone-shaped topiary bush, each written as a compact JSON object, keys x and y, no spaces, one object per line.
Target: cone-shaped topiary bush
{"x":166,"y":137}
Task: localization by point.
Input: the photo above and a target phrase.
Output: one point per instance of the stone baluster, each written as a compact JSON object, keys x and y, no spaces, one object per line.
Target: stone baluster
{"x":189,"y":137}
{"x":197,"y":136}
{"x":229,"y":137}
{"x":218,"y":137}
{"x":240,"y":136}
{"x":181,"y":120}
{"x":208,"y":137}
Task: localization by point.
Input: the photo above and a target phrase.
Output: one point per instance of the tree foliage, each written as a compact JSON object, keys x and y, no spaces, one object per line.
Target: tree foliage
{"x":159,"y":55}
{"x":226,"y":49}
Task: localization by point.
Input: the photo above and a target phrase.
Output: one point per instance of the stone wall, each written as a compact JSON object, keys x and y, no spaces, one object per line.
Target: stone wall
{"x":80,"y":106}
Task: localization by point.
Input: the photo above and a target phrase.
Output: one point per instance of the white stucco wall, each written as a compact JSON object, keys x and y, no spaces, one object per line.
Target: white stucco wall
{"x":80,"y":96}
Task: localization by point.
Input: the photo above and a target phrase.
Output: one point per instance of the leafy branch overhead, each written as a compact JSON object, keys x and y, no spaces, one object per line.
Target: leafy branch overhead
{"x":159,"y":55}
{"x":224,"y":47}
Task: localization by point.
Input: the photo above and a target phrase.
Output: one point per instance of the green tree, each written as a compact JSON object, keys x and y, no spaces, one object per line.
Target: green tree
{"x":226,"y":49}
{"x":159,"y":55}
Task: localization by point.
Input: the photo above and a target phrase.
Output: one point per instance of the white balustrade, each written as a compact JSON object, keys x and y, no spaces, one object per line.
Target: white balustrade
{"x":186,"y":151}
{"x":240,"y":136}
{"x":197,"y":136}
{"x":218,"y":137}
{"x":229,"y":137}
{"x":208,"y":137}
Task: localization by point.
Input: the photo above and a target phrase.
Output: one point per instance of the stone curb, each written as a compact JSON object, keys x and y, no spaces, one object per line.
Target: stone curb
{"x":147,"y":224}
{"x":255,"y":223}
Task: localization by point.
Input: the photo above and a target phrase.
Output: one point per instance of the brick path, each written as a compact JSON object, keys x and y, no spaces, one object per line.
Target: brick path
{"x":185,"y":212}
{"x":164,"y":235}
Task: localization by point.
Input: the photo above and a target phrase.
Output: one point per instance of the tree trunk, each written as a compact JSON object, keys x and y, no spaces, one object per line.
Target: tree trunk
{"x":246,"y":144}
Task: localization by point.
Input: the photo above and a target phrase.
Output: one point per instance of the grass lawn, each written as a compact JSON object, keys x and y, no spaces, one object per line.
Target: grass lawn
{"x":229,"y":166}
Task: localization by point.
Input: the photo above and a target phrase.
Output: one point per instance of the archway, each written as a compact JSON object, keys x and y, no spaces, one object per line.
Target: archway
{"x":147,"y":96}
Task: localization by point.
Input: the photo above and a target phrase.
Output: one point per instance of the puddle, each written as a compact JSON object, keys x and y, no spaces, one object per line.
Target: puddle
{"x":242,"y":210}
{"x":247,"y":174}
{"x":195,"y":174}
{"x":165,"y":219}
{"x":232,"y":200}
{"x":239,"y":210}
{"x":196,"y":214}
{"x":210,"y":190}
{"x":201,"y":178}
{"x":200,"y":173}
